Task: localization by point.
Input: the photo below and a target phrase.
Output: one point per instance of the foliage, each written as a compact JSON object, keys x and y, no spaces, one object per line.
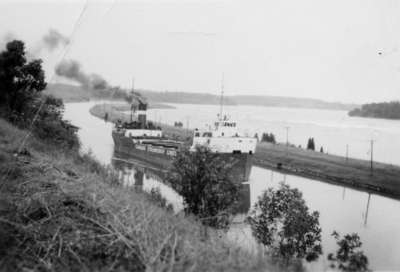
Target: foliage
{"x":281,"y":221}
{"x":157,"y":197}
{"x":389,"y":110}
{"x":202,"y":178}
{"x":269,"y":138}
{"x":311,"y":144}
{"x":348,"y":257}
{"x":22,"y":103}
{"x":51,"y":126}
{"x":20,"y":81}
{"x":64,"y":212}
{"x":178,"y":124}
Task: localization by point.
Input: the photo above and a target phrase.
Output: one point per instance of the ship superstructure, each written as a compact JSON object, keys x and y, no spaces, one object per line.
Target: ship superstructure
{"x":224,"y":138}
{"x":143,"y":139}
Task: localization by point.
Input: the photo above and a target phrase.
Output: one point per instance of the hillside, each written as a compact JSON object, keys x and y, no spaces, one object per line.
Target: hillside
{"x":386,"y":110}
{"x":71,"y":93}
{"x":186,"y":98}
{"x":290,"y":102}
{"x":62,"y":211}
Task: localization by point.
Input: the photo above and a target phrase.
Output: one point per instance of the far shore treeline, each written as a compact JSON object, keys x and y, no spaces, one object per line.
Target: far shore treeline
{"x":387,"y":110}
{"x":73,"y":93}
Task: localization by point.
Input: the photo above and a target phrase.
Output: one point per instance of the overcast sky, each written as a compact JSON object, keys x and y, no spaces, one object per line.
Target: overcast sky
{"x":338,"y":50}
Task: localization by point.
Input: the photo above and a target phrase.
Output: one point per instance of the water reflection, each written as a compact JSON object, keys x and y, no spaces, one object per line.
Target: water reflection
{"x":144,"y":176}
{"x":342,"y":209}
{"x":375,"y":218}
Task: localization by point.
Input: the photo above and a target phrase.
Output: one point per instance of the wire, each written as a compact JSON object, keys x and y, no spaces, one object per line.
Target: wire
{"x":77,"y":24}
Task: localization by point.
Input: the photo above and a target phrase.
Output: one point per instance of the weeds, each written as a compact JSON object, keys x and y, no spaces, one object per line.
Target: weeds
{"x":64,"y":212}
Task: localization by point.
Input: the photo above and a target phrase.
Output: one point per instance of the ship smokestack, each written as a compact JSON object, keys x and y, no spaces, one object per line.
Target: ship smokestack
{"x":142,"y":114}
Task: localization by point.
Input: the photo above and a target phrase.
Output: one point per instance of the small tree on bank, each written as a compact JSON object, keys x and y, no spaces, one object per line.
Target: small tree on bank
{"x":269,"y":138}
{"x":311,"y":144}
{"x":281,"y":221}
{"x":203,"y":180}
{"x":349,"y":257}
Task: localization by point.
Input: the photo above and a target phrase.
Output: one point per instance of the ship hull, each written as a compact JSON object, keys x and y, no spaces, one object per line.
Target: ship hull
{"x":124,"y":146}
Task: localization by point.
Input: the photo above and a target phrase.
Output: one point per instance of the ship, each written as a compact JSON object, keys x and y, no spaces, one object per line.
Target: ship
{"x":142,"y":140}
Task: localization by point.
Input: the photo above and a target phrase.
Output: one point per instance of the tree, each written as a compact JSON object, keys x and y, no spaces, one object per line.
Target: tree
{"x":347,"y":257}
{"x":20,"y":82}
{"x":21,"y":101}
{"x":203,"y":179}
{"x":269,"y":138}
{"x":281,"y":221}
{"x":311,"y":144}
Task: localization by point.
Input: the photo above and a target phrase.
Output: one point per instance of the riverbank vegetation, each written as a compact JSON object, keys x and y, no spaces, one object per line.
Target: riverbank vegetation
{"x":23,"y":103}
{"x":386,"y":110}
{"x":281,"y":221}
{"x":330,"y":168}
{"x":208,"y":190}
{"x":61,"y":211}
{"x":349,"y":256}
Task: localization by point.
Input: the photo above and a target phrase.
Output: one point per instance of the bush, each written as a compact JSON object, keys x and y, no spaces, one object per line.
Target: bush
{"x":159,"y":199}
{"x":203,"y":180}
{"x":51,"y":127}
{"x":281,"y":221}
{"x":347,"y":258}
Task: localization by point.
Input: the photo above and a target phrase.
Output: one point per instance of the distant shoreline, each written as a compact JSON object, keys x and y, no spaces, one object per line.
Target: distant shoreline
{"x":70,"y":93}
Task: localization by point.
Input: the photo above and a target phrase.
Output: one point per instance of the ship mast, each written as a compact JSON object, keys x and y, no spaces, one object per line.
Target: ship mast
{"x":133,"y":90}
{"x":221,"y":102}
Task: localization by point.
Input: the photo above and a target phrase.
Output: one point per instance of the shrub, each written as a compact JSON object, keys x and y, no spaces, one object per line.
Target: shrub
{"x":281,"y":221}
{"x":347,"y":258}
{"x":202,"y":178}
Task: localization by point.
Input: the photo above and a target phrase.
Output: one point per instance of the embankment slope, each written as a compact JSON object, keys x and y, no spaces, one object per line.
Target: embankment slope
{"x":61,"y":211}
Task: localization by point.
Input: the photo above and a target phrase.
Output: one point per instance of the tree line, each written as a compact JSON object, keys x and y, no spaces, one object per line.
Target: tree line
{"x":388,"y":110}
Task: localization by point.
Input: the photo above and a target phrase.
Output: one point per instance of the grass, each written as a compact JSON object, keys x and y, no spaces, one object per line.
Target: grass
{"x":60,"y":211}
{"x":355,"y":173}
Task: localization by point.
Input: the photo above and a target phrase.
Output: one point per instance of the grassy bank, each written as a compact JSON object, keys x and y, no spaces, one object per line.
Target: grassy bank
{"x":62,"y":211}
{"x":354,"y":173}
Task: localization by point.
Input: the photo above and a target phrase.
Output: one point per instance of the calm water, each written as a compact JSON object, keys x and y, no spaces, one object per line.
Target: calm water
{"x":341,"y":209}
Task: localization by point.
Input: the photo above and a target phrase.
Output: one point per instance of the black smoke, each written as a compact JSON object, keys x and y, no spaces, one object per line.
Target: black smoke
{"x":54,"y":39}
{"x":72,"y":70}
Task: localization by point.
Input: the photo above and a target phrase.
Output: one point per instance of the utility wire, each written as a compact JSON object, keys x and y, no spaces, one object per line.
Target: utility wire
{"x":77,"y":24}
